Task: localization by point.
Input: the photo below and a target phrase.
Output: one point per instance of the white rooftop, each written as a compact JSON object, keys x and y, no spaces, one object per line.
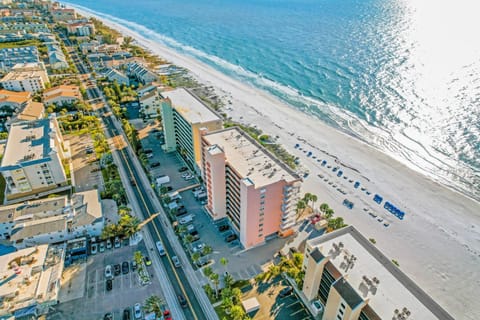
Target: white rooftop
{"x":254,"y":164}
{"x":27,"y":141}
{"x":190,"y":107}
{"x":374,"y":277}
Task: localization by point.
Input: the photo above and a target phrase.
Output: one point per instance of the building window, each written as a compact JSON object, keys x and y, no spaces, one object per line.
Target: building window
{"x":342,"y":305}
{"x":341,"y":311}
{"x":339,"y":317}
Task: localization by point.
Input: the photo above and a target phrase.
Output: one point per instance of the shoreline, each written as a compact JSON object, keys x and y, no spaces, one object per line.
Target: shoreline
{"x":440,"y":221}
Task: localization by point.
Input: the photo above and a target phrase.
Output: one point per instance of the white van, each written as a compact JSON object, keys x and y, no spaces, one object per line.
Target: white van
{"x":160,"y":248}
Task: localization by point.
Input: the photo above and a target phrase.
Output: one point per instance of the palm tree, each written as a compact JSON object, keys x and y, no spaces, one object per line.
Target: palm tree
{"x":207,"y":250}
{"x":138,"y":257}
{"x":215,"y":278}
{"x":207,"y":272}
{"x":314,"y":199}
{"x":307,"y":197}
{"x":329,"y":213}
{"x":195,"y":257}
{"x":188,"y":239}
{"x":301,"y":205}
{"x":228,"y":280}
{"x":154,"y":304}
{"x":324,"y":207}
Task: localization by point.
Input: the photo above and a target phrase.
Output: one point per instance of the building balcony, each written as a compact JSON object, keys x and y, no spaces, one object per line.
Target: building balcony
{"x":287,"y":225}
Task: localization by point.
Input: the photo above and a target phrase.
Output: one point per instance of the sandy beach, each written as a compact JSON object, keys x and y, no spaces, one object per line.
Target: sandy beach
{"x":441,"y":229}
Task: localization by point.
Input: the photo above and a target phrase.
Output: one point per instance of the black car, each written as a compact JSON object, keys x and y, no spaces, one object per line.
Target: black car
{"x":116,"y":270}
{"x":285,"y":292}
{"x":181,"y":211}
{"x":109,"y":285}
{"x":125,"y":267}
{"x":182,"y":301}
{"x":126,"y":314}
{"x":155,"y":164}
{"x":183,"y":169}
{"x":231,"y":237}
{"x":223,"y":227}
{"x":108,"y":316}
{"x":147,"y":151}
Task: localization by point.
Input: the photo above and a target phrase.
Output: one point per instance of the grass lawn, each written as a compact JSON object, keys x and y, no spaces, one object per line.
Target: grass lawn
{"x":221,"y":313}
{"x":17,"y":44}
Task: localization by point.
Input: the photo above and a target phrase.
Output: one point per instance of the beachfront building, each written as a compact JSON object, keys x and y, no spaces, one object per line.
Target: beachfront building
{"x":150,"y":103}
{"x":32,"y":164}
{"x":30,"y":281}
{"x":81,"y":28}
{"x":12,"y":56}
{"x":250,"y":186}
{"x":141,"y":73}
{"x":62,"y":95}
{"x":52,"y":220}
{"x":184,"y":117}
{"x":30,"y":77}
{"x":354,"y":280}
{"x":63,"y":14}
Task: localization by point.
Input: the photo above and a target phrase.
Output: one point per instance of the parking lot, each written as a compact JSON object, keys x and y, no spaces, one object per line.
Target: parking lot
{"x":241,"y":264}
{"x":86,"y":170}
{"x":97,"y":300}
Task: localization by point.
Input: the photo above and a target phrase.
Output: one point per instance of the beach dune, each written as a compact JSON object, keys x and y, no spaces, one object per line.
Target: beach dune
{"x":438,"y":242}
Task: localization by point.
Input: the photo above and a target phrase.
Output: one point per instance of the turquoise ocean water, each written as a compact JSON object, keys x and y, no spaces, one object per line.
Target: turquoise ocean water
{"x":401,"y":75}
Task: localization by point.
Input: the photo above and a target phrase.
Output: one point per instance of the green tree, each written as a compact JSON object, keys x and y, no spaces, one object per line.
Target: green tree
{"x":237,"y":313}
{"x":154,"y":304}
{"x":215,"y":278}
{"x":207,"y":272}
{"x":324,"y":207}
{"x":138,"y":257}
{"x":228,"y":280}
{"x":195,"y":256}
{"x":301,"y":205}
{"x":329,"y":213}
{"x":207,"y":250}
{"x":314,"y":199}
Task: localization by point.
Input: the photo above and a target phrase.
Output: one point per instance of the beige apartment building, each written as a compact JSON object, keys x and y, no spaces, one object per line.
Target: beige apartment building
{"x":184,"y":118}
{"x":30,"y":77}
{"x":353,"y":280}
{"x":32,"y":164}
{"x":248,"y":185}
{"x":63,"y":94}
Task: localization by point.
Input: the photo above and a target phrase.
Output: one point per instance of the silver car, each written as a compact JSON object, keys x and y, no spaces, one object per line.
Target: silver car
{"x":176,"y":262}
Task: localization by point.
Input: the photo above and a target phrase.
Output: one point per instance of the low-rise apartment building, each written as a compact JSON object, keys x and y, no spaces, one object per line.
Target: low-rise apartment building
{"x":61,"y":95}
{"x":32,"y":163}
{"x":30,"y":77}
{"x":56,"y":57}
{"x":355,"y":281}
{"x":63,"y":14}
{"x":184,"y":117}
{"x":250,"y":186}
{"x":9,"y":57}
{"x":81,"y":28}
{"x":30,"y":281}
{"x":141,"y":73}
{"x":151,"y":103}
{"x":115,"y":75}
{"x":52,"y":220}
{"x":16,"y":106}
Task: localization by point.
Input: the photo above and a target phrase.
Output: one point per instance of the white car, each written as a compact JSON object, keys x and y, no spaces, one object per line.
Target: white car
{"x":176,"y":262}
{"x":108,"y":272}
{"x":317,"y":307}
{"x":109,"y":244}
{"x":116,"y":243}
{"x":189,"y":178}
{"x":186,"y":174}
{"x":160,"y":248}
{"x":102,"y":247}
{"x":137,"y":311}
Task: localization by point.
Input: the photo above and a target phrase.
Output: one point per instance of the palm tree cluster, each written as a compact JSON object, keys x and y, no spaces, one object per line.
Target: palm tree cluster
{"x":127,"y":226}
{"x":154,"y":304}
{"x":303,"y":203}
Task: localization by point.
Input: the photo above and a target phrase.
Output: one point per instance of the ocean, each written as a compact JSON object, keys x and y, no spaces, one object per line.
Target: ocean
{"x":401,"y":75}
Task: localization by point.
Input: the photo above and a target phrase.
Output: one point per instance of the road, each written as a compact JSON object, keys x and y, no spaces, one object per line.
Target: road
{"x":177,"y":276}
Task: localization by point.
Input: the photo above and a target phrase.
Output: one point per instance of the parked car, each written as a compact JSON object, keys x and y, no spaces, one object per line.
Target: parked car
{"x":176,"y":262}
{"x":191,"y":177}
{"x":182,"y":301}
{"x":126,"y":314}
{"x":149,"y":155}
{"x":148,"y":151}
{"x":137,"y":310}
{"x":93,"y":248}
{"x":108,"y":316}
{"x":155,"y":164}
{"x":125,"y":267}
{"x":285,"y":292}
{"x":109,"y":244}
{"x":167,"y":315}
{"x":186,"y":220}
{"x":117,"y":270}
{"x":108,"y":272}
{"x":183,"y":169}
{"x":109,"y":284}
{"x":147,"y":260}
{"x":102,"y":247}
{"x":231,"y":237}
{"x":133,"y":265}
{"x":160,"y":248}
{"x":223,"y":227}
{"x":202,"y":262}
{"x":133,"y":183}
{"x":116,"y":243}
{"x":186,"y":174}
